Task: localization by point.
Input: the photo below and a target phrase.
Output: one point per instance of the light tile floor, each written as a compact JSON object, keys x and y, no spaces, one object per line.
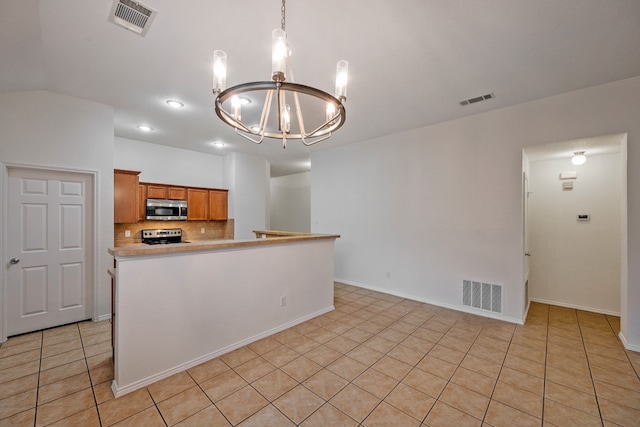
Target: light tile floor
{"x":377,"y":360}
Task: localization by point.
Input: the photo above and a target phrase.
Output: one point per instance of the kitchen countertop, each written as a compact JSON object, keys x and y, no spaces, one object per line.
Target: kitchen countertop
{"x":141,"y":249}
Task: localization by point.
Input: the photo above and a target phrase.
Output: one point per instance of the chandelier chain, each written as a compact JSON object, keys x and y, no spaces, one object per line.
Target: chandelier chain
{"x":282,"y":22}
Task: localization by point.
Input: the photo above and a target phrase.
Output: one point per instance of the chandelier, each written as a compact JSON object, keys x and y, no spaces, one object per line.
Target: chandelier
{"x":289,"y":110}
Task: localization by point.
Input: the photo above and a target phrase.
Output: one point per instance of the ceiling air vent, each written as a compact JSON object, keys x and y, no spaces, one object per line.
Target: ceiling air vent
{"x":477,"y":99}
{"x":132,"y":16}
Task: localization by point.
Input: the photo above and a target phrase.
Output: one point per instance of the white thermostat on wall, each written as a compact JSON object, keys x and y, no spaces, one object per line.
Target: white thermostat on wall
{"x":584,"y":217}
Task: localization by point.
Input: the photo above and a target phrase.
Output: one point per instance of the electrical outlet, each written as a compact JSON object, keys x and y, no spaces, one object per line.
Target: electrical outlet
{"x":283,"y":301}
{"x":202,"y":231}
{"x":127,"y":233}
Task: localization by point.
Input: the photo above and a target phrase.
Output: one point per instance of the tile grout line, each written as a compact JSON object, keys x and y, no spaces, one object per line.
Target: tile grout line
{"x":546,"y":355}
{"x":35,"y":414}
{"x":205,"y":393}
{"x":593,"y":383}
{"x":493,"y":389}
{"x":449,"y":380}
{"x":86,"y":362}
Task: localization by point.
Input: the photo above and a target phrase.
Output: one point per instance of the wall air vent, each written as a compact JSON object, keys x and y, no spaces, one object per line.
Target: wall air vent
{"x":484,"y":296}
{"x":132,"y":16}
{"x":477,"y":99}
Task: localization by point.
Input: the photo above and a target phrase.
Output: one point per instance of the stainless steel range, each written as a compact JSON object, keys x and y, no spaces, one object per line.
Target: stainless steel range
{"x":162,"y":236}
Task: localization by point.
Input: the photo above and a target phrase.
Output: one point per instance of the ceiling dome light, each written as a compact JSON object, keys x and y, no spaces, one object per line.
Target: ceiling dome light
{"x":578,"y":158}
{"x":174,"y":104}
{"x":218,"y":144}
{"x":145,"y":128}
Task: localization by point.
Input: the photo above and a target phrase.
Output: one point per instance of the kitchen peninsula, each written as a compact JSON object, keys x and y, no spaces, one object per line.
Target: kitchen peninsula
{"x":179,"y":305}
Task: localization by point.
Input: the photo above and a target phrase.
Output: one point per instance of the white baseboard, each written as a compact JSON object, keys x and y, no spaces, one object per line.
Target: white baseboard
{"x":576,"y":307}
{"x":626,"y":344}
{"x":121,"y":391}
{"x":103,"y":317}
{"x":461,"y":308}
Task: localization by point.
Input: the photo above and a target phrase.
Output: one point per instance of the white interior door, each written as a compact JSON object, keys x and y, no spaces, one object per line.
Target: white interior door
{"x":48,"y":248}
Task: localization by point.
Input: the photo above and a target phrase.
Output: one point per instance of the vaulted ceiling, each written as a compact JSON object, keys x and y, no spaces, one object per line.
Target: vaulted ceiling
{"x":410,"y":62}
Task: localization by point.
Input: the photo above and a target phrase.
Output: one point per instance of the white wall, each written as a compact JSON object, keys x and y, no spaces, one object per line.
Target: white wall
{"x":290,"y":202}
{"x":224,"y":299}
{"x":443,"y":203}
{"x":49,"y":130}
{"x":576,"y":263}
{"x":247,"y":178}
{"x":169,"y":165}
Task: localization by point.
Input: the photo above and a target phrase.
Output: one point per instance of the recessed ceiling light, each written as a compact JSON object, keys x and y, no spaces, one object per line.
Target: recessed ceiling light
{"x":174,"y":104}
{"x":218,"y":144}
{"x":145,"y":128}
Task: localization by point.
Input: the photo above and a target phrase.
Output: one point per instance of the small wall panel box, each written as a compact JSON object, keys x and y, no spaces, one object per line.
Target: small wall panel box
{"x":584,"y":217}
{"x":567,"y":185}
{"x":568,"y":175}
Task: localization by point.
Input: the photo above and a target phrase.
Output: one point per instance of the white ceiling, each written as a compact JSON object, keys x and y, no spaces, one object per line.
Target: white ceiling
{"x":607,"y":144}
{"x":410,"y":61}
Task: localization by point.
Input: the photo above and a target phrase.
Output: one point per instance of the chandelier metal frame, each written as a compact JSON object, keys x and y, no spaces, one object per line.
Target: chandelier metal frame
{"x":280,"y":91}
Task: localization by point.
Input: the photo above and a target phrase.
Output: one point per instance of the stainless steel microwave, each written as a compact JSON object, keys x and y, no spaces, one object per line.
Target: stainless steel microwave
{"x":166,"y":210}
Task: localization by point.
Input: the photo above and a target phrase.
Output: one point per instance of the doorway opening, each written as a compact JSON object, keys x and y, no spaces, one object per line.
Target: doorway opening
{"x":575,"y":226}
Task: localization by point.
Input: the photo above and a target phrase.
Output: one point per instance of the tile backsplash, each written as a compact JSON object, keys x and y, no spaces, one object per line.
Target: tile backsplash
{"x":191,"y":230}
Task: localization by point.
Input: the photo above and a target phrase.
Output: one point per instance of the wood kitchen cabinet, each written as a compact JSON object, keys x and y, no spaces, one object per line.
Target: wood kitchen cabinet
{"x":176,"y":193}
{"x":159,"y":191}
{"x":156,"y":191}
{"x":218,"y":203}
{"x":142,"y":202}
{"x":203,"y":204}
{"x":197,"y":202}
{"x":125,"y":192}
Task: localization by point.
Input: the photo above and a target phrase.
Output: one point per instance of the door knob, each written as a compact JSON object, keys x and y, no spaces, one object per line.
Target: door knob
{"x":527,"y":254}
{"x":14,"y":260}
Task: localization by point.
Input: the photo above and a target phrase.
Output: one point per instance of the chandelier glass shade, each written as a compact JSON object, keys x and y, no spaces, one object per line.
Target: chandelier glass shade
{"x":278,"y":108}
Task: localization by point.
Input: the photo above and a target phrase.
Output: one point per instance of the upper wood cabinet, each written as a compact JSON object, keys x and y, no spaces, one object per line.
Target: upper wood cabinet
{"x":156,"y":191}
{"x":176,"y":193}
{"x":125,"y":192}
{"x":203,"y":204}
{"x":142,"y":202}
{"x":218,"y":204}
{"x":197,"y":204}
{"x":160,"y":191}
